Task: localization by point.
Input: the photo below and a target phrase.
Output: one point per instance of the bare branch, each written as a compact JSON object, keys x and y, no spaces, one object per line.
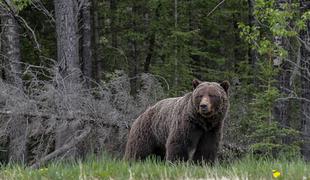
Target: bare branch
{"x":12,"y":10}
{"x":293,"y":97}
{"x":215,"y":8}
{"x":39,"y":6}
{"x":31,"y":30}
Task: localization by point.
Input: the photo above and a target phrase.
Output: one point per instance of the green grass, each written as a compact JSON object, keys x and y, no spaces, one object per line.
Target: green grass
{"x":109,"y":168}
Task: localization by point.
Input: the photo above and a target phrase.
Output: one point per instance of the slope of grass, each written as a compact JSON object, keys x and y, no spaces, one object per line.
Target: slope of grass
{"x":109,"y":168}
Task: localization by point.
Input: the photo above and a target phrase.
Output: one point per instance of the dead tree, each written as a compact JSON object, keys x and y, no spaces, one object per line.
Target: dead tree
{"x":97,"y":64}
{"x":87,"y":53}
{"x":66,"y":13}
{"x":67,"y":38}
{"x":134,"y":52}
{"x":10,"y":42}
{"x":11,"y":53}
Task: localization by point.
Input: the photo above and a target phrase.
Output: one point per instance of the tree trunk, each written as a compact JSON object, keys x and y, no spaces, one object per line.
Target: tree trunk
{"x":134,"y":68}
{"x":176,"y":75}
{"x":152,"y":39}
{"x":237,"y":50}
{"x":11,"y":52}
{"x":282,"y":108}
{"x":113,"y":30}
{"x":305,"y":84}
{"x":253,"y":56}
{"x":86,"y":41}
{"x":11,"y":46}
{"x":67,"y":38}
{"x":193,"y":24}
{"x":134,"y":54}
{"x":97,"y":65}
{"x":150,"y":53}
{"x":18,"y":139}
{"x":66,"y":13}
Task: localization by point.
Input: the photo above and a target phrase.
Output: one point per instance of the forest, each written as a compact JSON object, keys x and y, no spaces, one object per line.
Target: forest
{"x":75,"y":74}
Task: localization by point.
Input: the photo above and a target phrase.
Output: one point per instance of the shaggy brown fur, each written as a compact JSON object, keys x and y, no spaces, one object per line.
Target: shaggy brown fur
{"x":182,"y":128}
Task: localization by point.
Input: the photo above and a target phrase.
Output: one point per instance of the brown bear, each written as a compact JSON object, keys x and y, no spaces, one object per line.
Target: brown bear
{"x":182,"y":128}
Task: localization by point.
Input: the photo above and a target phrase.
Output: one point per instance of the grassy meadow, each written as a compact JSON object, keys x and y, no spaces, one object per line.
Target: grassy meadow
{"x":105,"y":167}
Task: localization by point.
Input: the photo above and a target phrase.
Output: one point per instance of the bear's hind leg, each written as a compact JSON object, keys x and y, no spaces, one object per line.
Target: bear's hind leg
{"x":138,"y":147}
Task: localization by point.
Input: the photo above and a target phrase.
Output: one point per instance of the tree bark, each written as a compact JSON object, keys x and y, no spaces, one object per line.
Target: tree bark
{"x":281,"y":108}
{"x":86,"y":41}
{"x":11,"y":45}
{"x":113,"y":30}
{"x":176,"y":75}
{"x":150,"y":53}
{"x":134,"y":54}
{"x":97,"y":65}
{"x":134,"y":68}
{"x":237,"y":50}
{"x":67,"y":38}
{"x":193,"y":24}
{"x":305,"y":84}
{"x":253,"y":56}
{"x":152,"y":39}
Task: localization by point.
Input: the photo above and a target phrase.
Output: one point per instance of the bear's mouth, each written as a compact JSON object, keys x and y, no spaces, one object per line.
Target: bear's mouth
{"x":205,"y":113}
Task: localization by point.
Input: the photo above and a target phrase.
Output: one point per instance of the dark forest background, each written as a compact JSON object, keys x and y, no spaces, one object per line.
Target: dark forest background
{"x":78,"y":72}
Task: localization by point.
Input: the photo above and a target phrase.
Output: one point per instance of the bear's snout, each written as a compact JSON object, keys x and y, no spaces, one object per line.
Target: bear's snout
{"x":204,"y":108}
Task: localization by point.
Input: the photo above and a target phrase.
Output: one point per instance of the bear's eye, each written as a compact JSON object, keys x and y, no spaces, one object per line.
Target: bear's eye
{"x":200,"y":96}
{"x":213,"y":97}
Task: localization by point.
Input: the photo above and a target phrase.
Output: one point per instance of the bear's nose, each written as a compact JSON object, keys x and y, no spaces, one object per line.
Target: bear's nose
{"x":204,"y":107}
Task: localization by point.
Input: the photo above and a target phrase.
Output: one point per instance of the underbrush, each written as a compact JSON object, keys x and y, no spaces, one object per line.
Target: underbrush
{"x":105,"y":167}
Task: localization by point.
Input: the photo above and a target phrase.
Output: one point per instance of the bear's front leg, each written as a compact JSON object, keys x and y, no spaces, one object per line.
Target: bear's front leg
{"x":176,"y":151}
{"x":182,"y":145}
{"x":208,"y":146}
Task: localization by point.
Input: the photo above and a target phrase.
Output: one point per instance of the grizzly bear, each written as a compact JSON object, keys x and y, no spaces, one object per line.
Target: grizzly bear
{"x":182,"y":128}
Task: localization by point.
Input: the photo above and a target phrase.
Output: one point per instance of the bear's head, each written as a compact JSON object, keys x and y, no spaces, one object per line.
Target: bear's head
{"x":210,"y":98}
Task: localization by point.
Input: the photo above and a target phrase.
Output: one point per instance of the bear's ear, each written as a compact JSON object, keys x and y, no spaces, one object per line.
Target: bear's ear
{"x":225,"y":85}
{"x":195,"y":83}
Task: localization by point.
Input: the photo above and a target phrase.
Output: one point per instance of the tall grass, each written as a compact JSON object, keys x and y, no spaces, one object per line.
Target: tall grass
{"x":106,"y":167}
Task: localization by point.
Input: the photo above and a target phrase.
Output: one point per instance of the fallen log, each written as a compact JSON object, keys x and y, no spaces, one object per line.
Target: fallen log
{"x":62,"y":150}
